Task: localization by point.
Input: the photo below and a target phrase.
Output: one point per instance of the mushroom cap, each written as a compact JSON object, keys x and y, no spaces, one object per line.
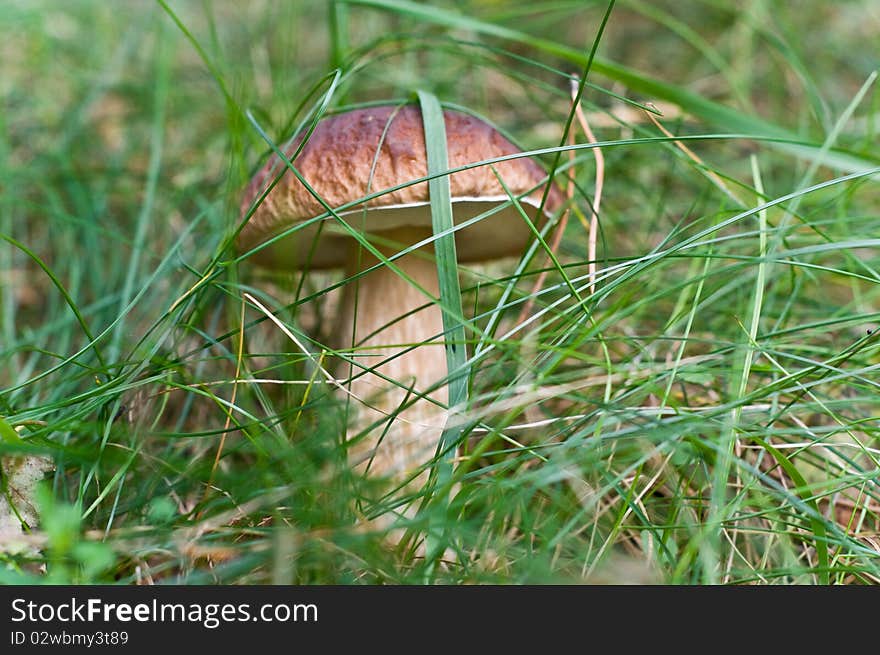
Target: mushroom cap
{"x":363,"y":151}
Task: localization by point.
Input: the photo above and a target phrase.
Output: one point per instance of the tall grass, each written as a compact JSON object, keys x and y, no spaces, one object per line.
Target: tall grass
{"x":708,"y":415}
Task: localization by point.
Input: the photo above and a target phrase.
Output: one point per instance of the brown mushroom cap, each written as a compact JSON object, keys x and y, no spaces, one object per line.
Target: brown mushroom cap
{"x":353,"y":154}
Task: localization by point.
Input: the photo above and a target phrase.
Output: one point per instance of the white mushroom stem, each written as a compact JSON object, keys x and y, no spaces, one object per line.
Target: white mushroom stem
{"x":390,"y":324}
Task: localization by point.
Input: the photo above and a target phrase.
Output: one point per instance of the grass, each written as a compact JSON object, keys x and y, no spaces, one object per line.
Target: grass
{"x":708,"y":415}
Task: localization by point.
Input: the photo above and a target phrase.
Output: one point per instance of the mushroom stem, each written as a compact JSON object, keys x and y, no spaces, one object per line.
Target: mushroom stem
{"x":393,"y":328}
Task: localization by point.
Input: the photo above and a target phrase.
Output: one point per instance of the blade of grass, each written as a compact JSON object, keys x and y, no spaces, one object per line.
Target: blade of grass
{"x":339,"y":46}
{"x":450,"y":290}
{"x":721,"y":506}
{"x":8,"y":434}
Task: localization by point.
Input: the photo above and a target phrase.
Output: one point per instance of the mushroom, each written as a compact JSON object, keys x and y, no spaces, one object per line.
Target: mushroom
{"x":392,"y":322}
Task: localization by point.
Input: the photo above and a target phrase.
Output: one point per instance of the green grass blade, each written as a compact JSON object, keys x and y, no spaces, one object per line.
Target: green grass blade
{"x":447,"y":272}
{"x":8,"y":434}
{"x":444,"y":246}
{"x":339,"y":46}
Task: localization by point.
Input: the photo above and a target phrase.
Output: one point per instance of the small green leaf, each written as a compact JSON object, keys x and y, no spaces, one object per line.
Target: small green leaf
{"x":8,"y":433}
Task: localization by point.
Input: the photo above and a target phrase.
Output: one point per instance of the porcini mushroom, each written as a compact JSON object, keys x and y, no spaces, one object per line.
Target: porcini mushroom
{"x":383,"y":314}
